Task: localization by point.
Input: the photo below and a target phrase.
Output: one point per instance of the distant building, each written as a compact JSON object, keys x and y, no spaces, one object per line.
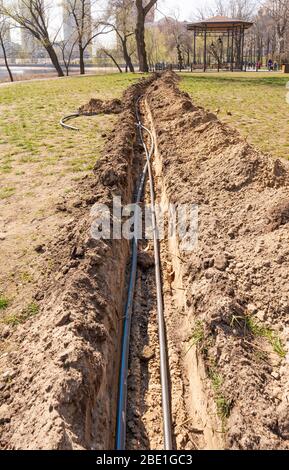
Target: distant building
{"x":68,"y":22}
{"x":6,"y":39}
{"x":28,"y":42}
{"x":7,"y":36}
{"x":69,"y":27}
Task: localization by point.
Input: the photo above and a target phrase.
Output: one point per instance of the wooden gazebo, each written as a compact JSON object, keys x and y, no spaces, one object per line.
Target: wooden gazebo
{"x":227,"y":35}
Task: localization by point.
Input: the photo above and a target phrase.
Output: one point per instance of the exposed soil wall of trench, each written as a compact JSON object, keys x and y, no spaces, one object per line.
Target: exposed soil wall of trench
{"x":226,"y":302}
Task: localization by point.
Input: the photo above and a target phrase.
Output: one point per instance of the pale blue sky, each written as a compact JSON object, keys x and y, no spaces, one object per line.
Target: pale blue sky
{"x":182,"y":10}
{"x":186,"y":8}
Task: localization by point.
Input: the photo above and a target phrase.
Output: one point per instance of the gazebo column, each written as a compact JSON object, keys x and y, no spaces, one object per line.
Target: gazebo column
{"x":239,"y":42}
{"x":205,"y":50}
{"x":242,"y":48}
{"x":232,"y":51}
{"x":228,"y":46}
{"x":237,"y":48}
{"x":195,"y":40}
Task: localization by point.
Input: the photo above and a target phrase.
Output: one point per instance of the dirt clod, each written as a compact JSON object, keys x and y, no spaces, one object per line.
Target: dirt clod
{"x":147,"y":354}
{"x":221,"y":262}
{"x":97,"y":106}
{"x":5,"y":414}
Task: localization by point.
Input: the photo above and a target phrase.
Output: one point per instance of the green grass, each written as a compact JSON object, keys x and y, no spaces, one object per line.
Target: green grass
{"x":6,"y":192}
{"x":29,"y":122}
{"x":31,"y":310}
{"x":259,"y":330}
{"x":223,"y":404}
{"x":4,"y":302}
{"x":257,"y":102}
{"x":198,"y":334}
{"x":26,"y":277}
{"x":198,"y":339}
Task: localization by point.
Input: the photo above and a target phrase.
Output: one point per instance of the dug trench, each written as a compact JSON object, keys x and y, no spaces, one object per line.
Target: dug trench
{"x":226,"y":300}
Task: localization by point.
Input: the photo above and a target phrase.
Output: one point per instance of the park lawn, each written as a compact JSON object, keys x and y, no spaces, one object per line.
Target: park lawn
{"x":39,"y":164}
{"x":29,"y":122}
{"x":256,"y":103}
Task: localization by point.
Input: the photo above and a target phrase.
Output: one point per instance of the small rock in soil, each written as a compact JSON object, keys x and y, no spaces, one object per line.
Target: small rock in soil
{"x":275,"y":375}
{"x":131,"y":425}
{"x":63,"y":320}
{"x":61,"y":207}
{"x":39,"y":248}
{"x":5,"y":332}
{"x":147,"y":354}
{"x":221,"y":262}
{"x":2,"y":385}
{"x":5,"y":414}
{"x":39,"y":295}
{"x":9,"y":374}
{"x":77,"y":252}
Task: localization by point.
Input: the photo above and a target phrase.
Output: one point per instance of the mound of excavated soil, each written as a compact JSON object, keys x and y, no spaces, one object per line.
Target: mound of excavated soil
{"x":96,"y":106}
{"x":235,"y":284}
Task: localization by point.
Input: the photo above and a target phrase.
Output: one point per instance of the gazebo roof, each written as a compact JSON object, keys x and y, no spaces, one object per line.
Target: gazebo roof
{"x":218,"y":24}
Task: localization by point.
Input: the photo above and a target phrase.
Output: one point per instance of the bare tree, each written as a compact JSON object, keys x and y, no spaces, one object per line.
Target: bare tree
{"x":143,"y":7}
{"x":111,"y":56}
{"x":216,"y":50}
{"x":4,"y":29}
{"x":179,"y":39}
{"x":221,"y":7}
{"x":120,"y":20}
{"x":33,"y":16}
{"x":67,"y":47}
{"x":241,"y":9}
{"x":86,"y":29}
{"x":279,"y":12}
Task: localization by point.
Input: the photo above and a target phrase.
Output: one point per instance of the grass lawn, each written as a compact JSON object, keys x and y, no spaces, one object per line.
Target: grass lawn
{"x":29,"y":122}
{"x":256,"y":101}
{"x":39,"y":162}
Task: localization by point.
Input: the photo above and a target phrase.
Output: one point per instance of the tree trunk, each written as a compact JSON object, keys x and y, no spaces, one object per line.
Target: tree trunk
{"x":54,"y":59}
{"x":114,"y":61}
{"x":81,"y":60}
{"x":5,"y":59}
{"x":127,"y":57}
{"x":140,"y":38}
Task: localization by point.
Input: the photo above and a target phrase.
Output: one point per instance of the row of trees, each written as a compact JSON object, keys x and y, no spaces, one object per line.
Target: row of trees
{"x":34,"y":16}
{"x":270,"y":35}
{"x":138,"y":41}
